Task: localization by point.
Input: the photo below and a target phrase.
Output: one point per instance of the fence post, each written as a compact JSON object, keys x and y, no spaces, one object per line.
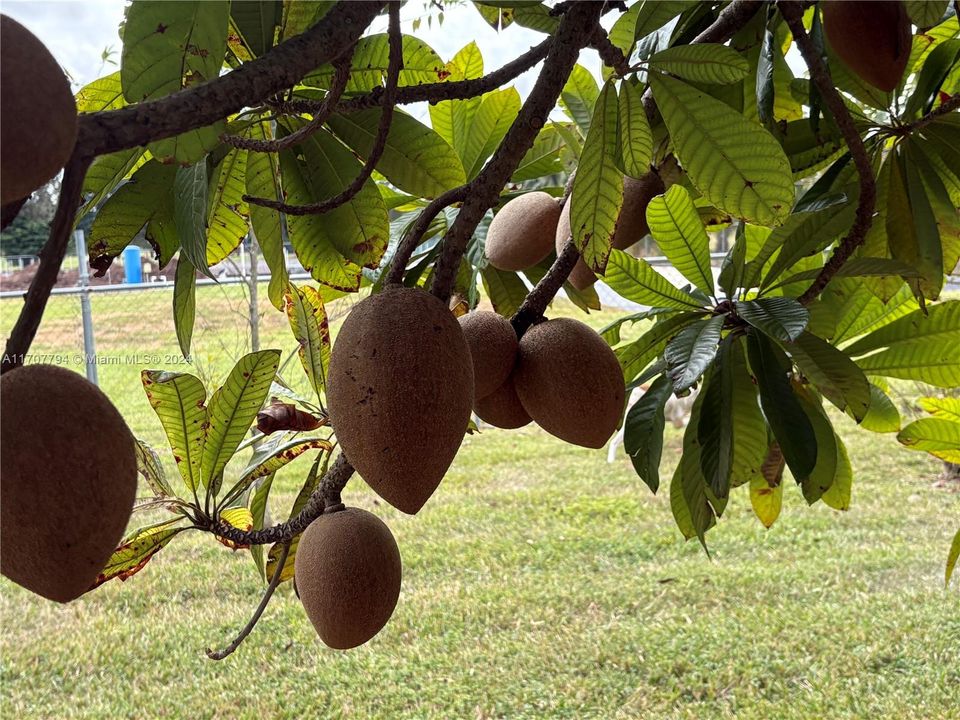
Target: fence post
{"x":89,"y":343}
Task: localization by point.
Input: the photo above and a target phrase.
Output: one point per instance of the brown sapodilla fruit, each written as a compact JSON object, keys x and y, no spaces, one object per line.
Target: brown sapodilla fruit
{"x":400,"y":392}
{"x":502,"y":408}
{"x":68,"y":478}
{"x":872,"y":37}
{"x":631,"y":225}
{"x":347,"y":570}
{"x":570,"y":382}
{"x":38,"y":115}
{"x":521,"y":234}
{"x":493,"y":347}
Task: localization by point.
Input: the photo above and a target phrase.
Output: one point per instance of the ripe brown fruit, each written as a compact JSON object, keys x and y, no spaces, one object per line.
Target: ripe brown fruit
{"x":570,"y":382}
{"x":493,"y":347}
{"x":502,"y":408}
{"x":347,"y":572}
{"x":69,"y":478}
{"x":871,"y":37}
{"x":400,"y":392}
{"x":521,"y":234}
{"x":631,"y":225}
{"x":38,"y":115}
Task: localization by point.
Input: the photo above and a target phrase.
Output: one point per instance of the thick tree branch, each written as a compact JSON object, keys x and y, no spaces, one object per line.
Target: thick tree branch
{"x":793,"y":15}
{"x":326,"y":107}
{"x":195,"y":107}
{"x":51,"y":257}
{"x":255,"y":618}
{"x":485,"y":188}
{"x":380,"y":143}
{"x":326,"y":494}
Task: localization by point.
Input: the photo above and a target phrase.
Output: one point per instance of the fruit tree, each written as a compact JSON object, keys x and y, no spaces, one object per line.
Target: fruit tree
{"x":836,"y":176}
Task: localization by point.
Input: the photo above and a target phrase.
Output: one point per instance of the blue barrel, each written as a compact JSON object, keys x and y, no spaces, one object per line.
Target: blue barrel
{"x":132,"y":269}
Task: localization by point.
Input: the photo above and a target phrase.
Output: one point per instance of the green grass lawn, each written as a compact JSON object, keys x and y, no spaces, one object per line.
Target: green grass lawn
{"x":539,"y":582}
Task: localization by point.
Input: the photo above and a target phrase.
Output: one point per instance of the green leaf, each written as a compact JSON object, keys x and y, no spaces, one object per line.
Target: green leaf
{"x":416,"y":159}
{"x":308,"y":321}
{"x":790,"y":424}
{"x":911,"y":226}
{"x":598,"y":186}
{"x":452,"y":118}
{"x":257,"y":22}
{"x":918,"y":347}
{"x":781,"y":318}
{"x":190,"y":213}
{"x":178,"y":399}
{"x":505,"y":289}
{"x":298,"y":16}
{"x":737,"y":165}
{"x":824,"y":472}
{"x":643,"y":432}
{"x":149,"y":466}
{"x":240,"y":518}
{"x":699,"y":515}
{"x":543,"y":158}
{"x":882,"y":415}
{"x":838,"y":494}
{"x":936,"y":435}
{"x":803,"y":235}
{"x":371,"y":57}
{"x":227,"y":224}
{"x":579,"y":96}
{"x":947,"y":408}
{"x":106,"y":172}
{"x":834,"y":374}
{"x":643,"y":18}
{"x":675,"y":225}
{"x":635,"y":356}
{"x":926,"y":13}
{"x":635,"y":279}
{"x":168,"y":44}
{"x":184,"y":303}
{"x":493,"y":118}
{"x":136,"y":550}
{"x":104,"y":93}
{"x":334,"y":246}
{"x":232,"y":410}
{"x":952,"y":557}
{"x":702,"y":63}
{"x":146,"y":197}
{"x":262,"y":181}
{"x":636,"y":140}
{"x":317,"y":471}
{"x":258,"y":513}
{"x":809,"y":150}
{"x":938,"y":64}
{"x":691,"y":352}
{"x":766,"y":489}
{"x":863,"y":311}
{"x":732,"y":432}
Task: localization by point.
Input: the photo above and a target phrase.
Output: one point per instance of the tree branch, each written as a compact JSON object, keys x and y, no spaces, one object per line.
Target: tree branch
{"x":191,"y":108}
{"x":268,"y":593}
{"x":51,"y":257}
{"x":325,"y":108}
{"x":412,"y":239}
{"x":793,"y":15}
{"x":945,"y":108}
{"x":485,"y":188}
{"x":376,"y":152}
{"x":326,"y":494}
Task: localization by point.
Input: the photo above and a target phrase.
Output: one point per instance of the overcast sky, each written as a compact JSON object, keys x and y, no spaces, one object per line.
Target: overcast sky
{"x":78,"y":32}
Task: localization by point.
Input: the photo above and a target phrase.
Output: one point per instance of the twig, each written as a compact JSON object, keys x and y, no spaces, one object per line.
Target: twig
{"x":327,"y":493}
{"x":609,"y":53}
{"x":326,"y":107}
{"x":947,"y":106}
{"x":433,"y":92}
{"x":268,"y":593}
{"x":485,"y":188}
{"x":51,"y":257}
{"x":535,"y":304}
{"x":793,"y":14}
{"x":195,"y":107}
{"x":412,"y":239}
{"x":386,"y":117}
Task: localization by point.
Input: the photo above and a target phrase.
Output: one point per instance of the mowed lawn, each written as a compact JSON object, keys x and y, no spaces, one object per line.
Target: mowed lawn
{"x":539,"y":582}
